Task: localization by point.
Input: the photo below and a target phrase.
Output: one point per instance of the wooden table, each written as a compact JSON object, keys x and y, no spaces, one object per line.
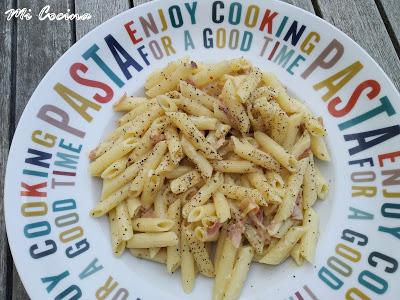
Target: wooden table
{"x":29,"y":48}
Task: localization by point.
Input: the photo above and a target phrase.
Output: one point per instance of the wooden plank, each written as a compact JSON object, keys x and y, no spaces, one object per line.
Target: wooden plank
{"x":391,"y":10}
{"x":304,"y":4}
{"x":362,"y":22}
{"x":101,"y":11}
{"x":5,"y":109}
{"x":138,"y":2}
{"x":39,"y":45}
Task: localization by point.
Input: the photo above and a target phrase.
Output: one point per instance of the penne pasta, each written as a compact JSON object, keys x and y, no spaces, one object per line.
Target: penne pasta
{"x":187,"y":265}
{"x":293,"y":188}
{"x":239,"y":273}
{"x":197,"y":158}
{"x":174,"y":252}
{"x":241,"y":193}
{"x":310,"y":185}
{"x":234,"y":166}
{"x":224,"y":267}
{"x":235,"y":110}
{"x":152,"y":239}
{"x":308,"y":242}
{"x":282,"y":249}
{"x":203,"y":194}
{"x":321,"y":184}
{"x":318,"y":148}
{"x":200,"y":212}
{"x":133,"y":205}
{"x":222,"y":209}
{"x":115,"y":153}
{"x":126,"y":103}
{"x":277,"y":151}
{"x":152,"y":224}
{"x":258,"y":181}
{"x":215,"y":156}
{"x":110,"y":202}
{"x":118,"y":244}
{"x":123,"y":221}
{"x":249,"y":84}
{"x":247,"y":151}
{"x":116,"y":168}
{"x":191,"y":92}
{"x":160,"y":257}
{"x":185,"y":182}
{"x":200,"y":253}
{"x":182,"y":121}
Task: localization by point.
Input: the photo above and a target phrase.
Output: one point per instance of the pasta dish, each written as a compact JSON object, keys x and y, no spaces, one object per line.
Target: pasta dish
{"x":212,"y":170}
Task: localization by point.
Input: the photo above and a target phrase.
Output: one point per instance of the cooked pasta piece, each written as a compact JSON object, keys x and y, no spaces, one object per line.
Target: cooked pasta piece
{"x":182,"y":121}
{"x":277,"y":151}
{"x":152,"y":239}
{"x":308,"y":242}
{"x":200,"y":253}
{"x":239,"y":273}
{"x":118,"y":244}
{"x":282,"y":249}
{"x":187,"y":265}
{"x":126,"y":103}
{"x":185,"y":182}
{"x":293,"y":188}
{"x":203,"y":194}
{"x":247,"y":151}
{"x":143,"y":253}
{"x":174,"y":252}
{"x":197,"y":158}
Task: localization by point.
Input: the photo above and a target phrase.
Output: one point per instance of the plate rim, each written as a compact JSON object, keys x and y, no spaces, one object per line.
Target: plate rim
{"x":30,"y":288}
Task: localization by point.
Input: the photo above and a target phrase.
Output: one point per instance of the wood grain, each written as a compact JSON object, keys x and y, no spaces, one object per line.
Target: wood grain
{"x":138,"y":2}
{"x":40,"y":44}
{"x":5,"y":109}
{"x":304,"y":4}
{"x":391,"y":11}
{"x":101,"y":11}
{"x":362,"y":22}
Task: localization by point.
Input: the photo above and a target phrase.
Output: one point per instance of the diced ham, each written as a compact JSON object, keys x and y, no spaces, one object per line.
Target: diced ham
{"x":305,"y":154}
{"x":147,"y":213}
{"x":92,"y":154}
{"x":193,"y":64}
{"x":257,"y":219}
{"x":297,"y":213}
{"x":157,"y":137}
{"x":213,"y":230}
{"x":190,"y":81}
{"x":212,"y":89}
{"x":246,"y":207}
{"x":235,"y":232}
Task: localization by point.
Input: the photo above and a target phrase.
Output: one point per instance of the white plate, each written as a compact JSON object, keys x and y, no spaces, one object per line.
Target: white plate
{"x":357,"y":252}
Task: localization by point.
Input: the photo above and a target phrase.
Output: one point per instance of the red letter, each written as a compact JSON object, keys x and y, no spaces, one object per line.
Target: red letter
{"x":375,"y":90}
{"x":32,"y":190}
{"x":267,"y":21}
{"x":132,"y":32}
{"x":73,"y":71}
{"x":391,"y":156}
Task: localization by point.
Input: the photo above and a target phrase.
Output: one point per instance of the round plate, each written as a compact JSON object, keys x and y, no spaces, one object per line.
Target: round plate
{"x":62,"y":253}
